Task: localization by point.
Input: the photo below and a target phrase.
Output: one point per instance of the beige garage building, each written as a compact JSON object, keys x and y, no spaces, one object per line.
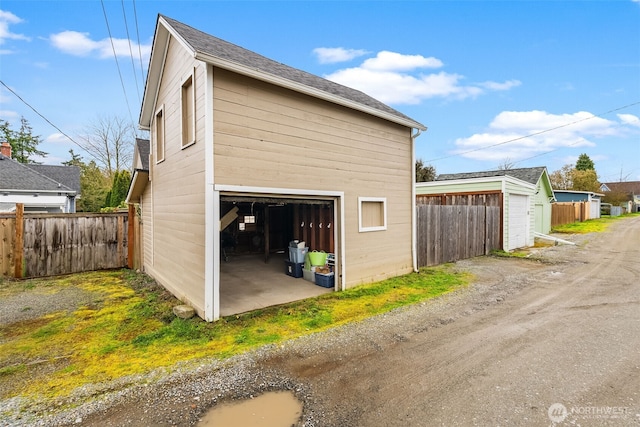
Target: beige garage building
{"x":244,"y":145}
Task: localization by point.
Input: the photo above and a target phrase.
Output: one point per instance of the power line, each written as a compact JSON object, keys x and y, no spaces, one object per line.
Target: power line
{"x":568,"y":145}
{"x":133,"y":64}
{"x":533,"y":134}
{"x":38,"y":113}
{"x":135,"y":17}
{"x":116,"y":58}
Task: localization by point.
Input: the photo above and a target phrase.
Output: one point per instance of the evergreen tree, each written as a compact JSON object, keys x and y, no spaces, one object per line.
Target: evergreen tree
{"x":584,"y":163}
{"x":120,"y":188}
{"x":24,"y":145}
{"x":94,"y":184}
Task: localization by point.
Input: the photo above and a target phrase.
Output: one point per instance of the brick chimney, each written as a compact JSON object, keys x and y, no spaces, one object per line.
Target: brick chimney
{"x":5,"y":149}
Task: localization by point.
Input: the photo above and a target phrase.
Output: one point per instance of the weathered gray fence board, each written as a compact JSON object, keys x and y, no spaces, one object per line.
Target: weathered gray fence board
{"x":70,"y":243}
{"x":454,"y":232}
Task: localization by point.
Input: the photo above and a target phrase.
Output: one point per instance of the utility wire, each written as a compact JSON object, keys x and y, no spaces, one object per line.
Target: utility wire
{"x":116,"y":58}
{"x":533,"y":134}
{"x":135,"y":17}
{"x":133,"y":64}
{"x":569,"y":145}
{"x":38,"y":113}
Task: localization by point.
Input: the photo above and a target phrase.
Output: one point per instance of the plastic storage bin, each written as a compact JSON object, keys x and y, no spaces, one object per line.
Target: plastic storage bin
{"x":297,"y":254}
{"x":309,"y":275}
{"x":325,"y":280}
{"x":293,"y":269}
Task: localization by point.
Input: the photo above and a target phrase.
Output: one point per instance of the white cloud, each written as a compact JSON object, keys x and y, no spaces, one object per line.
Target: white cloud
{"x":629,"y":119}
{"x":330,"y":55}
{"x":74,"y":43}
{"x":56,"y":138}
{"x":80,"y":44}
{"x":507,"y":134}
{"x":392,"y":61}
{"x":8,"y":115}
{"x":7,"y":19}
{"x":509,"y":84}
{"x":395,"y":78}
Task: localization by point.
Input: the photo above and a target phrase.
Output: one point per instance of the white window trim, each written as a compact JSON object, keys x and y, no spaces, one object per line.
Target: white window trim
{"x":191,"y":76}
{"x":383,"y":227}
{"x":159,"y":159}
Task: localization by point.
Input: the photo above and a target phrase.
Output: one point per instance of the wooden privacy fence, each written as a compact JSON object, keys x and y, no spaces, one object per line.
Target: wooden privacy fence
{"x":39,"y":245}
{"x":451,"y":233}
{"x":569,"y":212}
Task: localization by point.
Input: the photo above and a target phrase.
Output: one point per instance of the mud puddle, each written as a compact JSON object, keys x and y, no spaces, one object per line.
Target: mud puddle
{"x":273,"y":409}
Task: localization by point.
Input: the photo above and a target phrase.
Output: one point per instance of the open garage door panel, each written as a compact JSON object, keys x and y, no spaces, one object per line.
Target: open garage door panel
{"x":267,"y":224}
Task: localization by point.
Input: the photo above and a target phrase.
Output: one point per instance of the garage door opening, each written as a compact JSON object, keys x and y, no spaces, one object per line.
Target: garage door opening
{"x":254,"y":239}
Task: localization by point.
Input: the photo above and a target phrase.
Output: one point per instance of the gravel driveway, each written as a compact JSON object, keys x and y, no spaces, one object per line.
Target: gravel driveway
{"x":531,"y":342}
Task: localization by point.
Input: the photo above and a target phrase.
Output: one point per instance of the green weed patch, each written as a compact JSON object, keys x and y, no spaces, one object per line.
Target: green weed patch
{"x":128,"y":327}
{"x":589,"y":226}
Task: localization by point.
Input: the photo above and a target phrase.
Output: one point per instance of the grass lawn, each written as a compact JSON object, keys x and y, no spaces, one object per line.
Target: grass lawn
{"x":590,"y":225}
{"x":127,"y":327}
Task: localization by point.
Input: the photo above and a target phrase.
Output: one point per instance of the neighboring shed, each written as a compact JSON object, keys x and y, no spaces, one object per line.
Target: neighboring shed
{"x":41,"y":188}
{"x":267,"y":153}
{"x":516,"y":196}
{"x":594,"y":200}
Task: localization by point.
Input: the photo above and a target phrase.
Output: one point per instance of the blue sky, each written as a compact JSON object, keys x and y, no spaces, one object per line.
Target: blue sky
{"x":530,"y":83}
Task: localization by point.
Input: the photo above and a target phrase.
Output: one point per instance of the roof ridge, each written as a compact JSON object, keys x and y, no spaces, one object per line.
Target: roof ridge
{"x":251,"y":60}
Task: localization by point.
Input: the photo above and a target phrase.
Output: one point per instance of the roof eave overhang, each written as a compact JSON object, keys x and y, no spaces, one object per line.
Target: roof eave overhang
{"x":138,"y":184}
{"x":483,"y":179}
{"x":43,"y":192}
{"x":156,"y":63}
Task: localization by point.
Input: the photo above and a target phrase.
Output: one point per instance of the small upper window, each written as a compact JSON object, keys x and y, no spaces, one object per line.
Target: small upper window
{"x":159,"y":135}
{"x":188,"y":112}
{"x":372,"y":213}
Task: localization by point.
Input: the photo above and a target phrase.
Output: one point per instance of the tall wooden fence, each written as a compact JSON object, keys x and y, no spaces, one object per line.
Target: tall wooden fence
{"x":39,"y":245}
{"x":451,"y":233}
{"x":569,"y":212}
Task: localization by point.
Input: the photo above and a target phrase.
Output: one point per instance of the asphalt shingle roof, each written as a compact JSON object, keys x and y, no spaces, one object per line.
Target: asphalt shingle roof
{"x":207,"y":44}
{"x":630,"y":187}
{"x":69,"y":176}
{"x":18,"y":176}
{"x":530,"y":175}
{"x":143,"y":152}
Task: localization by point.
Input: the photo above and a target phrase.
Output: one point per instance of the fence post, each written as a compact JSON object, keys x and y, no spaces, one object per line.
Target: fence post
{"x":19,"y":247}
{"x":130,"y":236}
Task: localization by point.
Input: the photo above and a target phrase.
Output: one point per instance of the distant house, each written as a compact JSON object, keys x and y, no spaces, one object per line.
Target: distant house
{"x":41,"y":188}
{"x":594,"y":199}
{"x":628,"y":190}
{"x":267,"y":153}
{"x":525,"y":196}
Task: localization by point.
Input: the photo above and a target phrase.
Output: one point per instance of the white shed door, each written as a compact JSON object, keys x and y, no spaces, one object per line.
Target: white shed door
{"x":518,"y":221}
{"x":594,"y":211}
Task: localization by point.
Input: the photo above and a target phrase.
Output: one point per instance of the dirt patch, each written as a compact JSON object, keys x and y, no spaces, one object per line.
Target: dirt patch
{"x":32,"y":304}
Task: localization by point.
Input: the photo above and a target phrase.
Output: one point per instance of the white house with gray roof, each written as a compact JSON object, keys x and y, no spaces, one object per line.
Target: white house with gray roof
{"x":244,"y":145}
{"x":41,"y":188}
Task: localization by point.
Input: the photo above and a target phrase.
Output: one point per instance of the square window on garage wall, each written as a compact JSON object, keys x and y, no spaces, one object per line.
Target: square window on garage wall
{"x":372,"y":214}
